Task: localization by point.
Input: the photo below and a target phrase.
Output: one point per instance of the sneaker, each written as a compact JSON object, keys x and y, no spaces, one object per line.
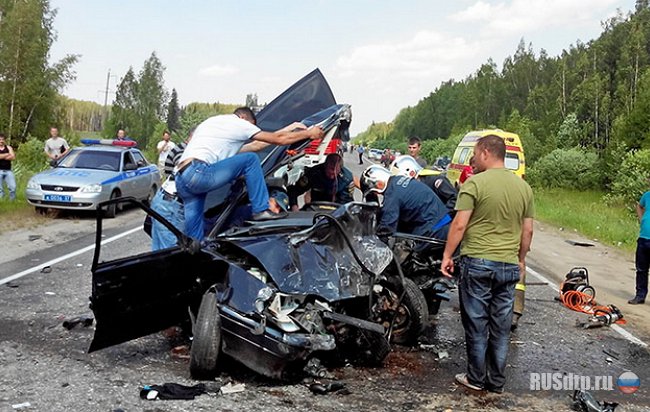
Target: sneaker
{"x":268,"y":215}
{"x":636,"y":301}
{"x":461,"y":378}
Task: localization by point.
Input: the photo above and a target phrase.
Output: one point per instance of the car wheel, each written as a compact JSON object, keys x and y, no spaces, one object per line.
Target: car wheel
{"x":409,"y":317}
{"x":150,"y":195}
{"x":206,"y":343}
{"x":111,"y":210}
{"x":40,"y":210}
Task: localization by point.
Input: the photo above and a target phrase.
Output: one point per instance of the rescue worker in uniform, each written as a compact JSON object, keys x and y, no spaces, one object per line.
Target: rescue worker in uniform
{"x":329,"y":181}
{"x":408,"y":205}
{"x":407,"y":166}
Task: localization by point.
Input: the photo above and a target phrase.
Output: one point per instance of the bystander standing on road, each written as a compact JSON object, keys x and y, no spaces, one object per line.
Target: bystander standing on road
{"x":55,"y":146}
{"x":6,"y":175}
{"x":414,"y":147}
{"x":167,"y":202}
{"x":494,"y":221}
{"x":360,"y":151}
{"x":164,"y":147}
{"x":642,"y":260}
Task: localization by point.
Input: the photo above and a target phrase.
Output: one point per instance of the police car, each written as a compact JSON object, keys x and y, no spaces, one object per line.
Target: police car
{"x":85,"y":176}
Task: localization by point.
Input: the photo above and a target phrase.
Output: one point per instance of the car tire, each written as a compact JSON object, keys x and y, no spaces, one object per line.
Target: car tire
{"x":206,"y":344}
{"x":111,"y":211}
{"x":374,"y":347}
{"x":40,"y":210}
{"x":413,"y":314}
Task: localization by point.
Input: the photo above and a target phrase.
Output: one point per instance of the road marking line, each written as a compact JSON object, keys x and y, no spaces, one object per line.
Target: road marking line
{"x":68,"y":256}
{"x":617,"y":328}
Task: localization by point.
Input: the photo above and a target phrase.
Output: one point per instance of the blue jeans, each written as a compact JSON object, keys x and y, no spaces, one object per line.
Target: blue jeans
{"x":174,"y":212}
{"x":200,"y":178}
{"x":7,"y":176}
{"x":642,"y":263}
{"x":486,"y":289}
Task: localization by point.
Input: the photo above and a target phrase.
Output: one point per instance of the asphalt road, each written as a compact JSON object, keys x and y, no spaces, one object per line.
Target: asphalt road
{"x":45,"y":365}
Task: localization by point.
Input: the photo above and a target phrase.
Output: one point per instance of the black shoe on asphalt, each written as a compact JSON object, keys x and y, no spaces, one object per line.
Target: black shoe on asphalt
{"x":494,"y":389}
{"x":268,"y":215}
{"x":636,"y":301}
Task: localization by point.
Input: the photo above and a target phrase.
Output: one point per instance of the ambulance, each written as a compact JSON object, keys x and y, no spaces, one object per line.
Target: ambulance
{"x":514,"y":160}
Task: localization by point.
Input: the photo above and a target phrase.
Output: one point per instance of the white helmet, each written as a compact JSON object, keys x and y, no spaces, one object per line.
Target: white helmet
{"x":405,"y":166}
{"x":374,"y":179}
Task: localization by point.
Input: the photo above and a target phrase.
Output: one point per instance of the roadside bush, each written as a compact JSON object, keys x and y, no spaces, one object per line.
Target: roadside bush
{"x":30,"y":157}
{"x":433,"y":148}
{"x":631,"y":179}
{"x":567,"y":168}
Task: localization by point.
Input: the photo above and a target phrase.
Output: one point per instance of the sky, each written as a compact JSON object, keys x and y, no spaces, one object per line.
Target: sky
{"x":379,"y":56}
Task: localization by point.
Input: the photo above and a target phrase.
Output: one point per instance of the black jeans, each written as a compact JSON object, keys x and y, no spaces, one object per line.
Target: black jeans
{"x":487,"y":291}
{"x":642,"y":265}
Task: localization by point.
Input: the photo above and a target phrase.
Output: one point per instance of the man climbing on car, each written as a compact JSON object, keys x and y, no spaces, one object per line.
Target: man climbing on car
{"x":211,"y":160}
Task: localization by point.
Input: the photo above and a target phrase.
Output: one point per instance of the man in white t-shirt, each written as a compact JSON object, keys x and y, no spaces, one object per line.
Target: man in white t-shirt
{"x":164,"y":147}
{"x":211,"y":160}
{"x":55,"y":146}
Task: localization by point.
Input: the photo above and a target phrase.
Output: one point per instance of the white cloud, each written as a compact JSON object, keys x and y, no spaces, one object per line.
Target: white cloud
{"x":427,"y":54}
{"x":218,"y":71}
{"x":525,"y":16}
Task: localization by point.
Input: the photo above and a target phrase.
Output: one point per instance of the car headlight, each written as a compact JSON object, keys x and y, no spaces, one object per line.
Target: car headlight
{"x":32,"y":184}
{"x":94,"y":188}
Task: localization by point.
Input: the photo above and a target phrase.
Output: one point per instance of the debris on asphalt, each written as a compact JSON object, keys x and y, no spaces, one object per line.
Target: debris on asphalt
{"x":181,"y":352}
{"x":84,"y":321}
{"x":50,"y":293}
{"x":46,"y":269}
{"x":79,"y":265}
{"x":443,"y":354}
{"x":232,"y":388}
{"x":611,"y":353}
{"x":332,"y":387}
{"x":21,"y":405}
{"x":172,"y":391}
{"x":584,"y":401}
{"x":12,"y":285}
{"x":316,"y":370}
{"x":575,"y":243}
{"x":34,"y":237}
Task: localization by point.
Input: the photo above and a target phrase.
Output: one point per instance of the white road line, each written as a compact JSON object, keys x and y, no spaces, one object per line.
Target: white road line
{"x":68,"y":256}
{"x":617,"y":328}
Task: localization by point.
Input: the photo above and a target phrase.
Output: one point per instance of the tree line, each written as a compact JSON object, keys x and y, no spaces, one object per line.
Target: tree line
{"x":594,"y":98}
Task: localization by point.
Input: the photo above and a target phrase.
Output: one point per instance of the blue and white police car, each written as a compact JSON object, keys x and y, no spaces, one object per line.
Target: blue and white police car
{"x":85,"y":176}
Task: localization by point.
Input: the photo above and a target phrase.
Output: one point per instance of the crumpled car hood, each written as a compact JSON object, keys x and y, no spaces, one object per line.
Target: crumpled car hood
{"x":318,"y":260}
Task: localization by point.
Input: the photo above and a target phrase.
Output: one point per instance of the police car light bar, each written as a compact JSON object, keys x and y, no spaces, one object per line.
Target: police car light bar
{"x":110,"y":142}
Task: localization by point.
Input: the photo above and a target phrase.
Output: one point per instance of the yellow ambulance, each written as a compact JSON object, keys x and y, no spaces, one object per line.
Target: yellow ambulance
{"x":514,"y":160}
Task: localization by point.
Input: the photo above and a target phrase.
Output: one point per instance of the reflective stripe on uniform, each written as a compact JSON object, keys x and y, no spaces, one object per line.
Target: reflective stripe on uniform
{"x":520,"y":286}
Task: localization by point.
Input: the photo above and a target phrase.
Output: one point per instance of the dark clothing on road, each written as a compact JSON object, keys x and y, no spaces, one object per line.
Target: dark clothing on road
{"x":642,"y":265}
{"x":411,"y":207}
{"x":443,"y":189}
{"x":337,"y":190}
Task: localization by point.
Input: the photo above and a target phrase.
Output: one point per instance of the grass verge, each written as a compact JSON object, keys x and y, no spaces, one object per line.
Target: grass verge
{"x":587,"y":212}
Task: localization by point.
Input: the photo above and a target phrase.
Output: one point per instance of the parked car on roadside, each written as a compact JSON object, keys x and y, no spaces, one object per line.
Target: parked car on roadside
{"x":89,"y":175}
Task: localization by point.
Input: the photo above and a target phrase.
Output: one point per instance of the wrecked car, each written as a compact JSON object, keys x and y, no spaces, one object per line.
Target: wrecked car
{"x":270,"y":295}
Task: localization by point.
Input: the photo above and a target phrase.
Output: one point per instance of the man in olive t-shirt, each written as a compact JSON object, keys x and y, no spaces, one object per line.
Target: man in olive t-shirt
{"x":494,"y":220}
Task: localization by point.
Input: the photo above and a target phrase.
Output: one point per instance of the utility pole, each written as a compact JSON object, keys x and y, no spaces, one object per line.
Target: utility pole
{"x":108,"y":78}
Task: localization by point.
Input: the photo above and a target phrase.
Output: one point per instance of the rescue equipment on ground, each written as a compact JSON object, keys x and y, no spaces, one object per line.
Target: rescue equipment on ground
{"x":577,"y":294}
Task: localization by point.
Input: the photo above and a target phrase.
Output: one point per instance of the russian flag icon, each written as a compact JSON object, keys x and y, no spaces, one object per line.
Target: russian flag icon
{"x":628,"y":382}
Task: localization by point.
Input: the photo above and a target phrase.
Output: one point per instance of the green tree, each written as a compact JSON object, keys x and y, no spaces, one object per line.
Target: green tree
{"x":28,"y":84}
{"x":173,"y":113}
